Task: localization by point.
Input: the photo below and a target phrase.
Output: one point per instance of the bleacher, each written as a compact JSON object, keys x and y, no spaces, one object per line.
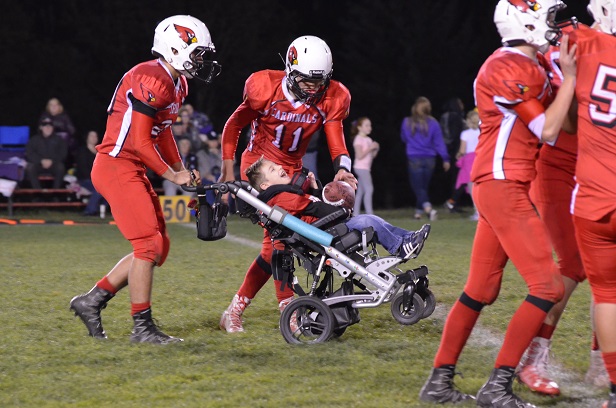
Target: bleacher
{"x":13,"y":141}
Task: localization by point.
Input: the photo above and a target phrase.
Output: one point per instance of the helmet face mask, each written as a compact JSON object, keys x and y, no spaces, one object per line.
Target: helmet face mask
{"x":528,"y":21}
{"x":184,"y":42}
{"x":309,"y":68}
{"x":604,"y":14}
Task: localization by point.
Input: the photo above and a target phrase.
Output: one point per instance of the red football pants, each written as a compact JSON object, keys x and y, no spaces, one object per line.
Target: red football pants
{"x":551,"y":193}
{"x":135,"y":206}
{"x":509,"y":228}
{"x":597,"y":243}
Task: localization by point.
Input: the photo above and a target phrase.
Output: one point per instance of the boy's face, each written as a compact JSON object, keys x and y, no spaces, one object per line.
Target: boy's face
{"x":273,"y":174}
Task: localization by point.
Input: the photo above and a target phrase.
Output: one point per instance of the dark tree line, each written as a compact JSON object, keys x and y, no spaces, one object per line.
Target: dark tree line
{"x":386,"y":52}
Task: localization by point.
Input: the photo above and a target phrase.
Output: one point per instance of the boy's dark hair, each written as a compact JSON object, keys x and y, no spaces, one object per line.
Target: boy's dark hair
{"x":254,"y":174}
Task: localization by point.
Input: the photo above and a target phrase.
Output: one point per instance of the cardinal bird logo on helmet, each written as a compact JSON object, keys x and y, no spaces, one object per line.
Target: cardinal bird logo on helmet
{"x":292,"y":57}
{"x":186,"y":34}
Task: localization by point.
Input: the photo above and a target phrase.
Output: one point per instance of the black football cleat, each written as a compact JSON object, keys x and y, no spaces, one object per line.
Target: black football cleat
{"x":439,"y":387}
{"x":145,"y":330}
{"x":88,"y":307}
{"x":498,"y":391}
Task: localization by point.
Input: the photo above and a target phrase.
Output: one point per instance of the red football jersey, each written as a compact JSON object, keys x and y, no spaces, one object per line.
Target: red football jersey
{"x":281,"y":127}
{"x":595,"y":194}
{"x":563,"y":154}
{"x":295,"y":204}
{"x":152,"y":84}
{"x":511,"y":90}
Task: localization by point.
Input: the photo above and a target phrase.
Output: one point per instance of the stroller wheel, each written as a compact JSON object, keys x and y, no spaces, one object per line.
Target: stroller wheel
{"x":429,"y":303}
{"x":307,"y":320}
{"x":413,"y":315}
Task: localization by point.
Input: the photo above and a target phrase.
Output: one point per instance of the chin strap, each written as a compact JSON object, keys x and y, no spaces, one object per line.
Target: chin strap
{"x":342,"y":162}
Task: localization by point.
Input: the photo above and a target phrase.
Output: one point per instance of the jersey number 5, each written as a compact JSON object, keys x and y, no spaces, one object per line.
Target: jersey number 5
{"x":297,"y":136}
{"x":604,"y":92}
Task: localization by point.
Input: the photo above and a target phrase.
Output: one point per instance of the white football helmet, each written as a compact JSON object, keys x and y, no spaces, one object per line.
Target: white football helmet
{"x":309,"y":59}
{"x":529,"y":21}
{"x":604,"y":14}
{"x":183,"y":42}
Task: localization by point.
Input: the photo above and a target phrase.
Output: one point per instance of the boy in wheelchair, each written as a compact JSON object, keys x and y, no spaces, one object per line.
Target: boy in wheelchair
{"x":275,"y":188}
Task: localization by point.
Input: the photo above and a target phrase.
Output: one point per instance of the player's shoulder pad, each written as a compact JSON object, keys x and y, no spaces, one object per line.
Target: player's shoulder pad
{"x":261,"y":85}
{"x":512,"y":65}
{"x":337,"y":100}
{"x":152,"y":84}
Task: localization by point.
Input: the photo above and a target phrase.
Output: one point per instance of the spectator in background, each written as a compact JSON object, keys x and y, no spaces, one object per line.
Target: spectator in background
{"x":366,"y":150}
{"x":45,"y":154}
{"x":179,"y":128}
{"x":466,"y":156}
{"x":63,"y":126}
{"x":452,"y":124}
{"x":199,"y":119}
{"x":84,"y":159}
{"x":62,"y":123}
{"x":190,"y":163}
{"x":210,"y":161}
{"x":424,"y":140}
{"x":312,"y":152}
{"x":189,"y":130}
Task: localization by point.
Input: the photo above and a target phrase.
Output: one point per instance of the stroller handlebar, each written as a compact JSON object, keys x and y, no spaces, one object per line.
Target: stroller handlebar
{"x":224,"y":187}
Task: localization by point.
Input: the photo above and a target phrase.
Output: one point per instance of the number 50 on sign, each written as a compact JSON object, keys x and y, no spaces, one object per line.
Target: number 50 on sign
{"x":175,"y":208}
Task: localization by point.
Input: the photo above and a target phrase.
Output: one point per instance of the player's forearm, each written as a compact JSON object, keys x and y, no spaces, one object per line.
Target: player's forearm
{"x":557,"y":112}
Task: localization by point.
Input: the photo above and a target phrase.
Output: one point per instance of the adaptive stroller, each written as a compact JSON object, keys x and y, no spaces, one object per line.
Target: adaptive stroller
{"x":330,"y":253}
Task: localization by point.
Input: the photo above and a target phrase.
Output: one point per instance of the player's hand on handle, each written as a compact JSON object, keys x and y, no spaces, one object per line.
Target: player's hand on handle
{"x":195,"y":178}
{"x":346,"y":176}
{"x":226,"y":171}
{"x":184,"y":177}
{"x":226,"y":174}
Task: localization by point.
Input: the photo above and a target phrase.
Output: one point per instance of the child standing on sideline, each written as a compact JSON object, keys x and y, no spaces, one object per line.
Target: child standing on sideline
{"x":366,"y":150}
{"x":466,"y":156}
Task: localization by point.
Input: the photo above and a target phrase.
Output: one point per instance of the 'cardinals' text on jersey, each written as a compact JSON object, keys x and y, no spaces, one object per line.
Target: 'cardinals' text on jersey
{"x":281,"y":127}
{"x":150,"y":89}
{"x":511,"y":90}
{"x":595,"y":194}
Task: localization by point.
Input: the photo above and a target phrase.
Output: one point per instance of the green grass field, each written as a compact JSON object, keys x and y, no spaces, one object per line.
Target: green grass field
{"x":47,"y":359}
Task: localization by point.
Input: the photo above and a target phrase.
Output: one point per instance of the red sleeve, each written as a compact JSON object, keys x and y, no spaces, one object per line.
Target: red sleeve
{"x":519,"y":87}
{"x":529,"y":110}
{"x":141,"y":128}
{"x":242,"y":116}
{"x":337,"y":104}
{"x":257,"y":90}
{"x":168,"y":148}
{"x":295,"y":204}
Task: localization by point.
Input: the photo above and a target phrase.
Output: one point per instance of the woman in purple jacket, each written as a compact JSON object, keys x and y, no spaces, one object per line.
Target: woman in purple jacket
{"x":424,"y":140}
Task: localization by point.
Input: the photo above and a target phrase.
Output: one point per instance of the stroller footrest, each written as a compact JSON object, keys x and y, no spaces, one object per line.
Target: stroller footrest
{"x":412,"y":275}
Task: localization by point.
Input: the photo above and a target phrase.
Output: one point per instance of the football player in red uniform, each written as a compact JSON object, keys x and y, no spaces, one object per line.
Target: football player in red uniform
{"x":138,"y":135}
{"x":512,"y":94}
{"x":551,"y":193}
{"x":284,"y":109}
{"x":594,"y":197}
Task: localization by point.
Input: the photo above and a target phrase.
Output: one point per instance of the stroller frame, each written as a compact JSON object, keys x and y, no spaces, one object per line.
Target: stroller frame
{"x":321,"y":311}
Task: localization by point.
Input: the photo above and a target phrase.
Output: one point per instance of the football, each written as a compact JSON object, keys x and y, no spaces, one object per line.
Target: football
{"x":339,"y":193}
